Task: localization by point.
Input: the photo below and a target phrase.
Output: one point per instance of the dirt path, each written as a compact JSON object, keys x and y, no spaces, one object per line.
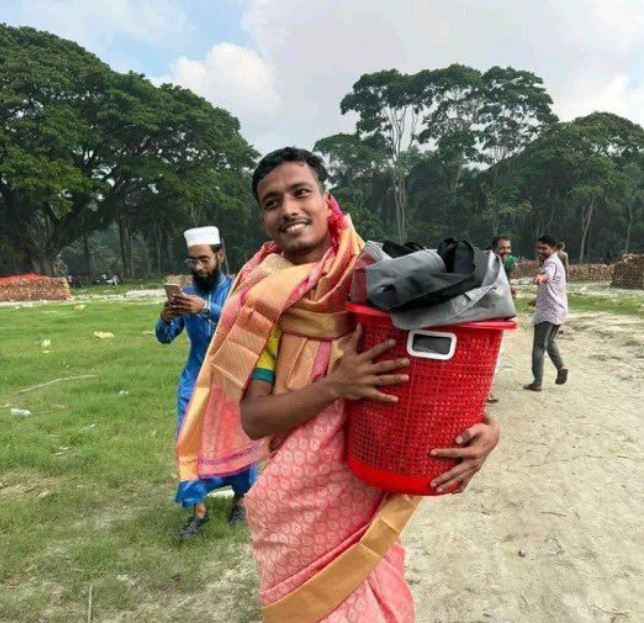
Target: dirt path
{"x":552,"y":529}
{"x":549,"y":532}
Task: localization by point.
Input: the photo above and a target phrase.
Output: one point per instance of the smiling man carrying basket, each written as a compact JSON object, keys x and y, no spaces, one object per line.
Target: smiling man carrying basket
{"x":274,"y":386}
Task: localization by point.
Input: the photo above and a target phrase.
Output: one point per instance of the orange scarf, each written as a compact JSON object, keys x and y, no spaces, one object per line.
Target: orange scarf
{"x":307,"y":302}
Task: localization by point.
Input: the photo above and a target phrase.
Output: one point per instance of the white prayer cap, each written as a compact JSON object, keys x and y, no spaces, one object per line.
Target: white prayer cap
{"x":202,"y":235}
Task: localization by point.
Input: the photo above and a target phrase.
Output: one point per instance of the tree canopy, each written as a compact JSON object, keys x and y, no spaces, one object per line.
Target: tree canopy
{"x":93,"y":160}
{"x":82,"y":146}
{"x":456,"y":151}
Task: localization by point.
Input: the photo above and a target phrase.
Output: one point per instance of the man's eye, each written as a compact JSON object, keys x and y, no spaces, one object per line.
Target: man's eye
{"x":269,"y":205}
{"x":300,"y":192}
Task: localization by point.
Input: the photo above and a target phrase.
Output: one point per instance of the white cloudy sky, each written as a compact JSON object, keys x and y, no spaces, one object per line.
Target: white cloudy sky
{"x":282,"y":66}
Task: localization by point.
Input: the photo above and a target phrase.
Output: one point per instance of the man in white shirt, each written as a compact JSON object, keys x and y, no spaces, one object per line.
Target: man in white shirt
{"x":551,"y":311}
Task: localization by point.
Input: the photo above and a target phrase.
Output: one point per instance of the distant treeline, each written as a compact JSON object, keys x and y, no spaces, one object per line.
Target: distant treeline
{"x":110,"y":168}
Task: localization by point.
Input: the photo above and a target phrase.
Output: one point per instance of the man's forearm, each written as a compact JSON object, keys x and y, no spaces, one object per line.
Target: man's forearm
{"x":277,"y":413}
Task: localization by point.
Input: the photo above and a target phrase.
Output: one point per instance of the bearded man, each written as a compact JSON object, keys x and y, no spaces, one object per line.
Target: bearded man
{"x":197,"y":309}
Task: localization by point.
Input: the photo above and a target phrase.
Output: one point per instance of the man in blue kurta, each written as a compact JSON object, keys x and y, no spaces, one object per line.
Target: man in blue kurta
{"x":197,"y":309}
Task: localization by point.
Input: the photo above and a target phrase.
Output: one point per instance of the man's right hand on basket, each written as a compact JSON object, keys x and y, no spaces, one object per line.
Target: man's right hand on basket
{"x":355,"y":376}
{"x":358,"y":375}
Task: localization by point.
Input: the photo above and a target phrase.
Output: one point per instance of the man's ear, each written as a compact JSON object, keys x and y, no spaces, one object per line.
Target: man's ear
{"x":220,"y":255}
{"x":326,"y":195}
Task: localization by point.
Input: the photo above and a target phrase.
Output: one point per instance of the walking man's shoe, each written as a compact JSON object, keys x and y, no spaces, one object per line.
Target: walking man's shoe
{"x":562,"y":376}
{"x":533,"y":387}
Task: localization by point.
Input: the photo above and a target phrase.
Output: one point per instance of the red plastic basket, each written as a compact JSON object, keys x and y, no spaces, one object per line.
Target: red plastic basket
{"x":450,"y":376}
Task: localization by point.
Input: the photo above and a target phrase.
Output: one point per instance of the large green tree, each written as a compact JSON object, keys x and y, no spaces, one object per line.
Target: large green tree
{"x":387,"y":107}
{"x":577,"y":173}
{"x":82,"y":146}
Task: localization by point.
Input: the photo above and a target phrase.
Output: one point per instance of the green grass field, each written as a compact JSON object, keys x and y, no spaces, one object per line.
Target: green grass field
{"x":578,"y":302}
{"x":87,"y":481}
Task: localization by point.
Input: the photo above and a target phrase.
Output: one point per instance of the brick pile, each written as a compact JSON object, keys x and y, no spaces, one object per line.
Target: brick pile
{"x":578,"y":272}
{"x":32,"y":287}
{"x":629,"y":273}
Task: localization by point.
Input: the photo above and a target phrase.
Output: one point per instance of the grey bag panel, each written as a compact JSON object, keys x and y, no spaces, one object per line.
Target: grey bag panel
{"x":374,"y":249}
{"x":491,"y":300}
{"x":392,"y":279}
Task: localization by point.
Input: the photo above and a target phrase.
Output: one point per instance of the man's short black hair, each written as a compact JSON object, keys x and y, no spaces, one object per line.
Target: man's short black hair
{"x":548,"y":239}
{"x":216,"y":248}
{"x":288,"y":154}
{"x":497,"y":239}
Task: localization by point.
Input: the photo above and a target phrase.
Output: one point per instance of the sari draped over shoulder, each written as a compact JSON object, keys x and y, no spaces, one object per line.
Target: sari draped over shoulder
{"x":325,"y":544}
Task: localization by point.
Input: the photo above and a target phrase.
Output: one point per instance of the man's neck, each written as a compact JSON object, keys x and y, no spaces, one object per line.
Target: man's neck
{"x":309,"y":257}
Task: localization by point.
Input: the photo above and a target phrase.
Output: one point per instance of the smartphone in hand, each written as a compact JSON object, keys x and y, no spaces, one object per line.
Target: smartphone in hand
{"x":171,"y":290}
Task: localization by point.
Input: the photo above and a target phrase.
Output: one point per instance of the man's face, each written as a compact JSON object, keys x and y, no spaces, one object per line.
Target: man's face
{"x":204,"y":264}
{"x":544,"y":251}
{"x":503,"y":249}
{"x":295,"y":212}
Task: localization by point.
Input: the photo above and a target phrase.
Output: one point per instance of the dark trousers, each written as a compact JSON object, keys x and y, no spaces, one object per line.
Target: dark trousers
{"x":544,"y":340}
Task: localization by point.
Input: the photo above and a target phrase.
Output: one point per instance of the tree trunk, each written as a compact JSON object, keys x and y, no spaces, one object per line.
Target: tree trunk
{"x":127,"y":244}
{"x":631,"y":215}
{"x":457,"y":179}
{"x":586,"y":220}
{"x":43,"y":265}
{"x":130,"y":253}
{"x":88,"y":255}
{"x":122,"y":246}
{"x":169,"y":257}
{"x":494,"y":222}
{"x":400,"y":201}
{"x":158,"y":237}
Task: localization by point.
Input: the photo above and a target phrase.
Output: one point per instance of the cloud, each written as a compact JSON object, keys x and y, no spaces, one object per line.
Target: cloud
{"x":620,"y":95}
{"x":235,"y":78}
{"x":298,"y":59}
{"x":99,"y":24}
{"x":588,"y":53}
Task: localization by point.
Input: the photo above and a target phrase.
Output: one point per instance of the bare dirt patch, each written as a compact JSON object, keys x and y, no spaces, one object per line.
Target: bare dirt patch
{"x":551,"y":529}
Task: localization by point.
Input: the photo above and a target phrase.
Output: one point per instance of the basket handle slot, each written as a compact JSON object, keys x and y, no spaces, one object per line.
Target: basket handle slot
{"x":439,"y":345}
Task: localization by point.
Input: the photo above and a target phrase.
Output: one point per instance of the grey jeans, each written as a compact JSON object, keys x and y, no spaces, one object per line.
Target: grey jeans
{"x":544,"y":340}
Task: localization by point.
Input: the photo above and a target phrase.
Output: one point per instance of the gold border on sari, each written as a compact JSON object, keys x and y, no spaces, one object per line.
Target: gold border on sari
{"x":327,"y":589}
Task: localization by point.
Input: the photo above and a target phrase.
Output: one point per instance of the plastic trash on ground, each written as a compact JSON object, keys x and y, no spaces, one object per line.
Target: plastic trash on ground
{"x":103,"y":335}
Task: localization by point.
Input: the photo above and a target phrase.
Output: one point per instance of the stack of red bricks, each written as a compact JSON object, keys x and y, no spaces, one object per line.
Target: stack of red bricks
{"x":525,"y":268}
{"x":577,"y":272}
{"x":32,"y":287}
{"x":629,"y":273}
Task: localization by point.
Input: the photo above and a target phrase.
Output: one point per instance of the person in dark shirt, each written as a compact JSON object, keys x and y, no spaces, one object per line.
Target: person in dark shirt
{"x":502,"y":246}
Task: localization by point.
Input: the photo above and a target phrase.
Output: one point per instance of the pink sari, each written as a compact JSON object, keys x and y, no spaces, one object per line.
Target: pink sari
{"x":325,"y":544}
{"x":306,"y":508}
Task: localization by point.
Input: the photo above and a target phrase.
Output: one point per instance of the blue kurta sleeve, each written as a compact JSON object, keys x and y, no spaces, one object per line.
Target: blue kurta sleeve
{"x":167,"y":331}
{"x":212,"y":312}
